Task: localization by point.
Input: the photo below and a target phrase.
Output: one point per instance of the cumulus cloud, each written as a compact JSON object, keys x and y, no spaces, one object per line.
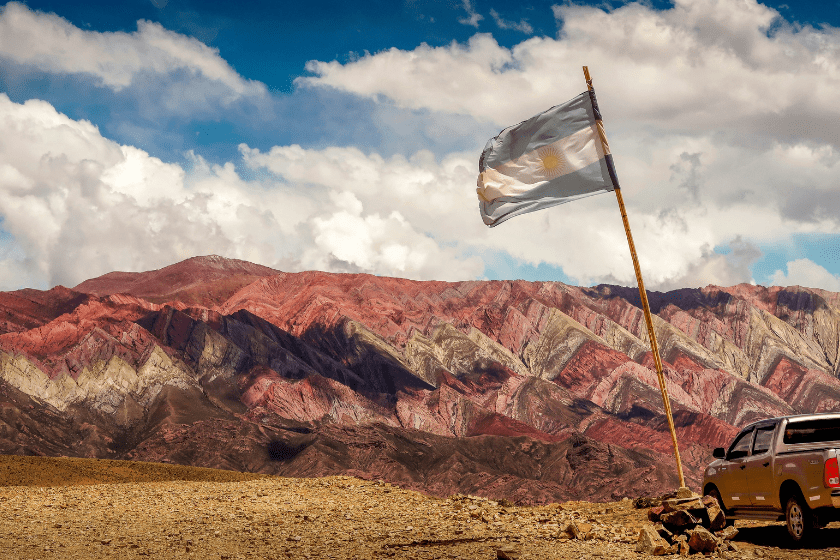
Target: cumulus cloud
{"x":704,"y":104}
{"x":77,"y":204}
{"x":438,"y":198}
{"x":806,"y":273}
{"x":700,"y":65}
{"x":117,"y":59}
{"x":397,"y":216}
{"x":722,"y":116}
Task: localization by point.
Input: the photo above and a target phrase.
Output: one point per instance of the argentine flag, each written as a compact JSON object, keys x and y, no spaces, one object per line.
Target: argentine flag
{"x":557,"y":156}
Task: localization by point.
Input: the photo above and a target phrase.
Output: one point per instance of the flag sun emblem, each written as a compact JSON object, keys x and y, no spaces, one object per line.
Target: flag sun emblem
{"x":550,"y":162}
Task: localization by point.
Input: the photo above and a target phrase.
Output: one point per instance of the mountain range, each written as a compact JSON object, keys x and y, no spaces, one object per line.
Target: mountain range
{"x":530,"y":391}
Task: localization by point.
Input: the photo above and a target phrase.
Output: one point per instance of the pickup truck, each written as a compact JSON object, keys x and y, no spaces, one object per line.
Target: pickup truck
{"x":781,"y":469}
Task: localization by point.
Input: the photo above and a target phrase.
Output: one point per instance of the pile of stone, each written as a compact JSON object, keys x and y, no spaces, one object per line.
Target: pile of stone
{"x":682,"y":525}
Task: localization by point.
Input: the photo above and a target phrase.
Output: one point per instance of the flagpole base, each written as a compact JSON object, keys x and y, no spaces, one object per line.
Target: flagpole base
{"x":684,"y":492}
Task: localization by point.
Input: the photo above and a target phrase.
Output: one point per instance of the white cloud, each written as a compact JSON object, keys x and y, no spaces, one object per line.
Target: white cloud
{"x":806,"y":273}
{"x":397,"y":216}
{"x":724,"y":122}
{"x":473,"y":17}
{"x":52,"y":44}
{"x":502,"y":23}
{"x":713,"y":140}
{"x":77,"y":205}
{"x":701,"y":65}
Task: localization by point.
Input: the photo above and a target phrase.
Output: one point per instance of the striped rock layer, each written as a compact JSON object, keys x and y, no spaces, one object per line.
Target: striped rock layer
{"x":530,"y":391}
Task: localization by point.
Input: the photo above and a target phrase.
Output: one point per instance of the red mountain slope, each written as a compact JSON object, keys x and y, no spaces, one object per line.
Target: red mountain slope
{"x":528,"y":390}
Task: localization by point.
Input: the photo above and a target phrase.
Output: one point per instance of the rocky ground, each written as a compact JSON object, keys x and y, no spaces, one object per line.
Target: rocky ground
{"x":52,"y":509}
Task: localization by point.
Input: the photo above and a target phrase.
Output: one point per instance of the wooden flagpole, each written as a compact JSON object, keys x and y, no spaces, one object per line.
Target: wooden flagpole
{"x":645,"y":306}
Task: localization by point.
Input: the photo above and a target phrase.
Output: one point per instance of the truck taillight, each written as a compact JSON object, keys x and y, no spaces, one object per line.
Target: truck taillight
{"x":832,"y":473}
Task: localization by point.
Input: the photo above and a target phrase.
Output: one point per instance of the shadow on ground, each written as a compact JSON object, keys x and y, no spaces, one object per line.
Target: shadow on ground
{"x":775,"y":535}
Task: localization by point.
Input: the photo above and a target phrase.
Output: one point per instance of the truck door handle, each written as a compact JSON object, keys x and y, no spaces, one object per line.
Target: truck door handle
{"x":767,"y":464}
{"x":743,"y":467}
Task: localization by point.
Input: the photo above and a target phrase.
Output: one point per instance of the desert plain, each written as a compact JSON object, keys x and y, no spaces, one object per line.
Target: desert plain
{"x":63,"y":508}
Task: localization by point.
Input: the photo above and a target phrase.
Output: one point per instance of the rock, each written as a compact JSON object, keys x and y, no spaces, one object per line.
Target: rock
{"x":663,"y":532}
{"x":650,"y":542}
{"x":654,"y":513}
{"x":566,"y":529}
{"x":717,"y":519}
{"x":681,"y":542}
{"x":580,"y":530}
{"x":683,"y":504}
{"x":701,"y":540}
{"x":645,"y":502}
{"x":714,"y":518}
{"x":727,"y":534}
{"x":508,"y":552}
{"x":679,"y":520}
{"x":684,"y":492}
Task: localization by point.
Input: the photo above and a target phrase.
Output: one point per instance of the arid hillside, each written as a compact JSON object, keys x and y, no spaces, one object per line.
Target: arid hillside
{"x":533,"y":392}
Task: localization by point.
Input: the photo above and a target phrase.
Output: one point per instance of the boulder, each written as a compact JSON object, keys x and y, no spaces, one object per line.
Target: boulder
{"x":683,"y":504}
{"x":580,"y":530}
{"x":654,"y":513}
{"x":651,"y":543}
{"x":679,"y":520}
{"x":566,"y":530}
{"x":684,"y":492}
{"x":709,"y":500}
{"x":701,"y":540}
{"x":717,"y":519}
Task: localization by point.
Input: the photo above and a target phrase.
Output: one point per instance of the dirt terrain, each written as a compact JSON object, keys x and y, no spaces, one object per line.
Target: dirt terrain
{"x":80,"y":508}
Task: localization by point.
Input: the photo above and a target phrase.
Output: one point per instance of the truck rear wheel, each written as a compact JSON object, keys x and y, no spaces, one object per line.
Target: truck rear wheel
{"x":799,"y":519}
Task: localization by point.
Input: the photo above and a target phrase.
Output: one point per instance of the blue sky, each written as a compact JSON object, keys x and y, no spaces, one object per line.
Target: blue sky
{"x":345,"y":137}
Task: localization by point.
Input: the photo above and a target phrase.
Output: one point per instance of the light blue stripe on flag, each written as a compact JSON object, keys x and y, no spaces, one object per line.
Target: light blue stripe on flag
{"x":552,"y":158}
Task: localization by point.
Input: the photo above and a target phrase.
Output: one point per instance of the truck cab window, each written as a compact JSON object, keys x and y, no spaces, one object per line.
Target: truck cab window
{"x":763,"y":439}
{"x":740,"y":447}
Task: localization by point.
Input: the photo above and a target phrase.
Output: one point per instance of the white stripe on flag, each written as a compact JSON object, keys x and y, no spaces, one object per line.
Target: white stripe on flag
{"x":562,"y":157}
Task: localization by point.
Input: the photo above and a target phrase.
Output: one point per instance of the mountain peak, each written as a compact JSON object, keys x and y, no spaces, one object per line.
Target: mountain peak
{"x":205,"y":280}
